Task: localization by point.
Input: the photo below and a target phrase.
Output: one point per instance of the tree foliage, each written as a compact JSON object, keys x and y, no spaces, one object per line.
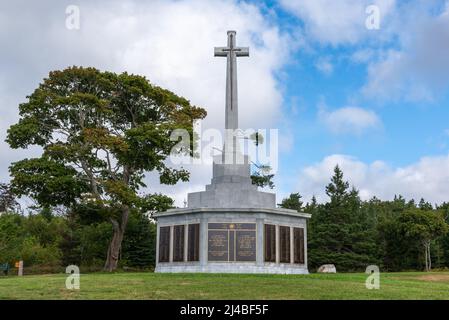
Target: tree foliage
{"x":339,"y":231}
{"x":8,"y":200}
{"x":292,"y":202}
{"x":100,"y":133}
{"x":262,"y":177}
{"x":352,"y":234}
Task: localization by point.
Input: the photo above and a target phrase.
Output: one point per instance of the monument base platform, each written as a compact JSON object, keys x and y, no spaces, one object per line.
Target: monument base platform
{"x":233,"y":268}
{"x":232,"y":240}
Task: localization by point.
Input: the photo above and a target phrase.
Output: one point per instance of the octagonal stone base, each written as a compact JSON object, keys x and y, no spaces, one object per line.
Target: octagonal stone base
{"x":211,"y":218}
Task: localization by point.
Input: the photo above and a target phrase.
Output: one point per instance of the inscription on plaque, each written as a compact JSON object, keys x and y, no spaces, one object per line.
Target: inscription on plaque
{"x":232,"y":242}
{"x":193,"y":252}
{"x":245,"y":246}
{"x":284,"y":237}
{"x":218,"y":245}
{"x":178,"y":243}
{"x":270,"y":243}
{"x":164,"y":244}
{"x":298,"y":238}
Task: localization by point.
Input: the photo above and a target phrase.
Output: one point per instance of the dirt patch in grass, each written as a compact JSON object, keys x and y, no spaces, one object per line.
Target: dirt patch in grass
{"x":434,"y":277}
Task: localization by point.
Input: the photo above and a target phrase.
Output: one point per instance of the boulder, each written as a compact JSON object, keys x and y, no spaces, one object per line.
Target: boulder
{"x":327,"y":268}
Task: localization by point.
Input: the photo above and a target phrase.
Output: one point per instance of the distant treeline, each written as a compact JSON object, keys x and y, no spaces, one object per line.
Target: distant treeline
{"x":49,"y":243}
{"x":346,"y":231}
{"x":394,"y":235}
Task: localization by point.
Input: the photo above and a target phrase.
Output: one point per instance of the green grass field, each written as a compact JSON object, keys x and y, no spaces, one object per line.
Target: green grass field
{"x":413,"y":285}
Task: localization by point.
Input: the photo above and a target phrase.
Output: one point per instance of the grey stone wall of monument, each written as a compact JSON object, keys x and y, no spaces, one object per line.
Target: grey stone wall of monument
{"x":231,"y":187}
{"x":259,"y":217}
{"x":231,"y":212}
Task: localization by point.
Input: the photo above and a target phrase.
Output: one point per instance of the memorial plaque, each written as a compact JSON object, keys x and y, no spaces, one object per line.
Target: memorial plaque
{"x":245,"y":246}
{"x":218,"y":245}
{"x":270,"y":243}
{"x":178,"y":243}
{"x":232,"y":242}
{"x":298,"y":236}
{"x":164,"y":244}
{"x":284,"y":237}
{"x":193,"y":247}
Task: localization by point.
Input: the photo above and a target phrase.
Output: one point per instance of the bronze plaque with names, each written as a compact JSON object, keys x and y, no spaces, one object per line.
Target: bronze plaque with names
{"x":218,"y":246}
{"x":164,"y":244}
{"x":229,"y":242}
{"x":193,"y":242}
{"x":245,"y":246}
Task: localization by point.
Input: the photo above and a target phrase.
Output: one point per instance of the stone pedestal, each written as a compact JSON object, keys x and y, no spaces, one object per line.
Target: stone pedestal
{"x":233,"y":240}
{"x":231,"y":227}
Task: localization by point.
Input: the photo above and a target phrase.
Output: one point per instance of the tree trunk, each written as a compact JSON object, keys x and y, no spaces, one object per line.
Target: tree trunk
{"x":115,"y":245}
{"x":425,"y":256}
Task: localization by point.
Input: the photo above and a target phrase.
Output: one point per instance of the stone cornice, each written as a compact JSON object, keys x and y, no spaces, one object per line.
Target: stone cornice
{"x":280,"y":211}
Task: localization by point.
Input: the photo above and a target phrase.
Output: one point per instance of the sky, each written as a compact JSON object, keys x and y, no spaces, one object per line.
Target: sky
{"x":340,"y":89}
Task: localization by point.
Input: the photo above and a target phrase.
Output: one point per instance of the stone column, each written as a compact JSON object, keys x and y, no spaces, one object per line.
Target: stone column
{"x":170,"y":259}
{"x":278,"y":245}
{"x":203,"y":242}
{"x":305,"y":244}
{"x":157,"y":243}
{"x":186,"y":241}
{"x":259,"y":242}
{"x":292,"y":253}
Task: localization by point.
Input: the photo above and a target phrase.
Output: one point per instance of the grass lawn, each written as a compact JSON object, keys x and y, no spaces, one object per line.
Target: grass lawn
{"x":404,"y":285}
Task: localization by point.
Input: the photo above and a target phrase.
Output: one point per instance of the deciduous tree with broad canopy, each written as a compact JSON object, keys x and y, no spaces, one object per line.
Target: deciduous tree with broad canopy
{"x":100,"y":133}
{"x":423,"y":226}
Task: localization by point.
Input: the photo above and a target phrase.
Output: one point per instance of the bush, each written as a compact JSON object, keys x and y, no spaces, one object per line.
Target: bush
{"x":33,"y":253}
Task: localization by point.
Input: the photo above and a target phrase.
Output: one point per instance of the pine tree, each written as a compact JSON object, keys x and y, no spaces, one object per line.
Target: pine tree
{"x":292,"y":202}
{"x":341,"y":232}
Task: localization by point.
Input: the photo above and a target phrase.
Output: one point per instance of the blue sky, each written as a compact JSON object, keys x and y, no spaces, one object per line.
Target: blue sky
{"x":407,"y":128}
{"x":373,"y":101}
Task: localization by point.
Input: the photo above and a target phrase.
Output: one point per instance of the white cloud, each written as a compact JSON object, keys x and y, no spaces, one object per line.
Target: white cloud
{"x":170,"y":42}
{"x":427,"y":178}
{"x":336,"y":22}
{"x":362,"y":55}
{"x":325,"y":66}
{"x":419,"y":69}
{"x":349,"y":119}
{"x":408,"y":57}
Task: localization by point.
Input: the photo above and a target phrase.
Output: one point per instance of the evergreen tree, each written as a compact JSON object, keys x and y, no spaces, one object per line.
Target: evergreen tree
{"x":139,"y":246}
{"x":292,"y":202}
{"x":340,"y":231}
{"x":424,"y":205}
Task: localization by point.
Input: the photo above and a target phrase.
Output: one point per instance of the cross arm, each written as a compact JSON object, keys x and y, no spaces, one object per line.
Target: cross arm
{"x":221,"y":51}
{"x":242,"y":52}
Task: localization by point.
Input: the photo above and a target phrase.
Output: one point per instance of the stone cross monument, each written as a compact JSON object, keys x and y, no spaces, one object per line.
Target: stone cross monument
{"x":231,"y":184}
{"x":231,"y":226}
{"x":231,"y":52}
{"x":231,"y":152}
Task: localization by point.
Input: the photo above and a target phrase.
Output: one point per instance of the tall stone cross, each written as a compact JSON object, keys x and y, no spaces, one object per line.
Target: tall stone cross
{"x":231,"y":52}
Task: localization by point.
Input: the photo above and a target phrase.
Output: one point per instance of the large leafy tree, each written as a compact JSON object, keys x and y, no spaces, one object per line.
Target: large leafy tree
{"x":422,"y":226}
{"x":444,"y":209}
{"x":100,"y":133}
{"x":7,"y":199}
